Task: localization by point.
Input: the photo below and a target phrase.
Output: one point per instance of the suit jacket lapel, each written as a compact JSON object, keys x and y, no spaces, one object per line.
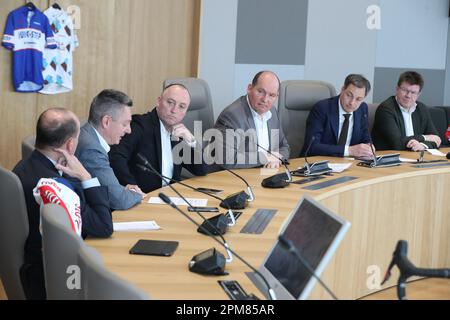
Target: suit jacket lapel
{"x":335,"y":118}
{"x":156,"y":125}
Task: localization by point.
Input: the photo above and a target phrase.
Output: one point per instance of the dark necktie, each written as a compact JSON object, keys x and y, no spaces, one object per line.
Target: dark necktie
{"x":344,"y":131}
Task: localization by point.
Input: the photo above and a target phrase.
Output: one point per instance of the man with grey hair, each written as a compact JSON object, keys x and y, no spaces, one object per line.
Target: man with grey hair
{"x":109,"y":120}
{"x":338,"y":126}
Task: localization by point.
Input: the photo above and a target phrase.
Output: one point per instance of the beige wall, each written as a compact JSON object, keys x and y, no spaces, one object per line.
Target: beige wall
{"x":129,"y":45}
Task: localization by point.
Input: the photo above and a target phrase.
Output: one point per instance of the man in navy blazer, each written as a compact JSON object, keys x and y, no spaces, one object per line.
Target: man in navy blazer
{"x":56,"y":140}
{"x":326,"y":133}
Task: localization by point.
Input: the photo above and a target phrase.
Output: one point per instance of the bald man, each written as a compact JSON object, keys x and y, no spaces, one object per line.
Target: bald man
{"x":57,"y":133}
{"x":155,"y":135}
{"x":252,"y":121}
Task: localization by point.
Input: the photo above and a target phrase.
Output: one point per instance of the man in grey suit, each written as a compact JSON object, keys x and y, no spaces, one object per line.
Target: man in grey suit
{"x":250,"y":126}
{"x":109,"y":120}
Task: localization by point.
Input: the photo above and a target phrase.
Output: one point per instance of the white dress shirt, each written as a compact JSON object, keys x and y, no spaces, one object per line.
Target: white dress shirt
{"x":166,"y":154}
{"x":350,"y":127}
{"x":262,"y":129}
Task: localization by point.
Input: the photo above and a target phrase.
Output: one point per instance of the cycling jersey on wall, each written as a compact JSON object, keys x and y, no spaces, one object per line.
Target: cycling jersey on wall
{"x":58,"y":64}
{"x":27,"y":33}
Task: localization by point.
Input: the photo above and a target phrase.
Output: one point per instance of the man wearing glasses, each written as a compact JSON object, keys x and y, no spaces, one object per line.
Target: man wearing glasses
{"x":403,"y":123}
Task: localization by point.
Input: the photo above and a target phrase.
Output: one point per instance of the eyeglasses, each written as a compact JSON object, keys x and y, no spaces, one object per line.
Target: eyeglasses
{"x":406,"y":91}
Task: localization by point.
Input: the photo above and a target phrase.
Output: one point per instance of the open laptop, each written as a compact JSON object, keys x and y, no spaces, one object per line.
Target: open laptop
{"x":316,"y":233}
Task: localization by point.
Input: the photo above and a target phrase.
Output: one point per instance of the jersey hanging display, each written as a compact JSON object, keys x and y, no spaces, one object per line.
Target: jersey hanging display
{"x":27,"y":34}
{"x":58,"y":64}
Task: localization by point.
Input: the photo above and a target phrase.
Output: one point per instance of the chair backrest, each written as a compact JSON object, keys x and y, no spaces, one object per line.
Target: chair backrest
{"x":28,"y":146}
{"x":13,"y":233}
{"x":297,"y":97}
{"x":201,"y":107}
{"x":60,"y":246}
{"x":439,"y":118}
{"x":372,"y":110}
{"x":101,"y":284}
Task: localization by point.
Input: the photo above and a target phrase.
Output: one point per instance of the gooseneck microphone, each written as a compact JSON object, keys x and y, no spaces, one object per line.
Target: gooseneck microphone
{"x":167,"y":200}
{"x":284,"y":162}
{"x":370,"y":141}
{"x":288,"y":245}
{"x":315,"y":168}
{"x":407,"y":269}
{"x":239,"y":199}
{"x":220,"y":221}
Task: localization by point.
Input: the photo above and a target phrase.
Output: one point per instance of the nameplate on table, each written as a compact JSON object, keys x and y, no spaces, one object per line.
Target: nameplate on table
{"x":180,"y":202}
{"x":136,"y":226}
{"x":329,"y":183}
{"x":259,"y":221}
{"x":431,"y":165}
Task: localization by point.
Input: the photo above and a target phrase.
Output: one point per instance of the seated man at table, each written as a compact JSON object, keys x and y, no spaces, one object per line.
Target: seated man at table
{"x":163,"y":140}
{"x":338,"y":126}
{"x":109,"y":121}
{"x":57,"y":135}
{"x":250,"y":126}
{"x":403,"y":123}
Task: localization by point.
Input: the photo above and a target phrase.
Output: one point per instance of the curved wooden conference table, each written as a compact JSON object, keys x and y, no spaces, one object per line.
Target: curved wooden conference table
{"x":383,"y":206}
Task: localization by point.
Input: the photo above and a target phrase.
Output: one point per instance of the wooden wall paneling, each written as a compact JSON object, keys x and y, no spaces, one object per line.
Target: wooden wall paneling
{"x":128,"y":45}
{"x":17,"y":110}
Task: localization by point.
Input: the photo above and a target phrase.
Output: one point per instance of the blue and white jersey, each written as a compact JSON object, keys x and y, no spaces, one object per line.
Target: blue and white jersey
{"x":27,"y":33}
{"x":58,"y":64}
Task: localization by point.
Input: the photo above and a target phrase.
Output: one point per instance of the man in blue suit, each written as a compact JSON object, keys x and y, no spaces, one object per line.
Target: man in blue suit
{"x":338,"y":126}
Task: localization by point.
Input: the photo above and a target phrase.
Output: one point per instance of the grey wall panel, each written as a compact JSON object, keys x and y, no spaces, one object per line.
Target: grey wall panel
{"x":413,"y":34}
{"x":386,"y":81}
{"x":339,"y":42}
{"x":217,"y":50}
{"x":447,"y":71}
{"x":271,"y":32}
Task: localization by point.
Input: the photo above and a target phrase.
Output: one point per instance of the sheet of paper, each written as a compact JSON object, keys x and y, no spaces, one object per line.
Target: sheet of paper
{"x":339,"y":167}
{"x":436,"y":152}
{"x":407,"y":160}
{"x":180,"y":202}
{"x":136,"y":226}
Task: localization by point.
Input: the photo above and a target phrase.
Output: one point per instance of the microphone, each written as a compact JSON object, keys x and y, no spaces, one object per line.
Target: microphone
{"x":238,"y":200}
{"x":288,"y":245}
{"x":407,"y":269}
{"x":220,"y":222}
{"x":279,"y":180}
{"x":167,"y":200}
{"x":370,"y":141}
{"x":316,"y":168}
{"x":387,"y":160}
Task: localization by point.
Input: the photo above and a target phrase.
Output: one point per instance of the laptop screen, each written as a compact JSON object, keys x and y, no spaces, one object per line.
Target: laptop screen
{"x":315,"y":233}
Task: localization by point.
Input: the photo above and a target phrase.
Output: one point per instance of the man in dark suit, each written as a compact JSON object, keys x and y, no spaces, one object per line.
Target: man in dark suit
{"x":338,"y":126}
{"x":163,"y":140}
{"x":403,"y":123}
{"x":56,"y":140}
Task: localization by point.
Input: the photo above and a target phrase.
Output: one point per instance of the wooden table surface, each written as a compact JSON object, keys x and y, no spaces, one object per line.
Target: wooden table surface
{"x":383,"y":205}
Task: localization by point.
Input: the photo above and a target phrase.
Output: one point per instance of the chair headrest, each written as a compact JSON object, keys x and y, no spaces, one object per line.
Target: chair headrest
{"x":302,"y":96}
{"x":198,"y":89}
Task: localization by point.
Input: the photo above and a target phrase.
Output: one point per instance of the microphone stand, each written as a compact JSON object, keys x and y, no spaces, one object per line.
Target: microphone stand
{"x":315,"y":169}
{"x":284,"y":162}
{"x":250,"y":195}
{"x":167,"y":200}
{"x":407,"y":269}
